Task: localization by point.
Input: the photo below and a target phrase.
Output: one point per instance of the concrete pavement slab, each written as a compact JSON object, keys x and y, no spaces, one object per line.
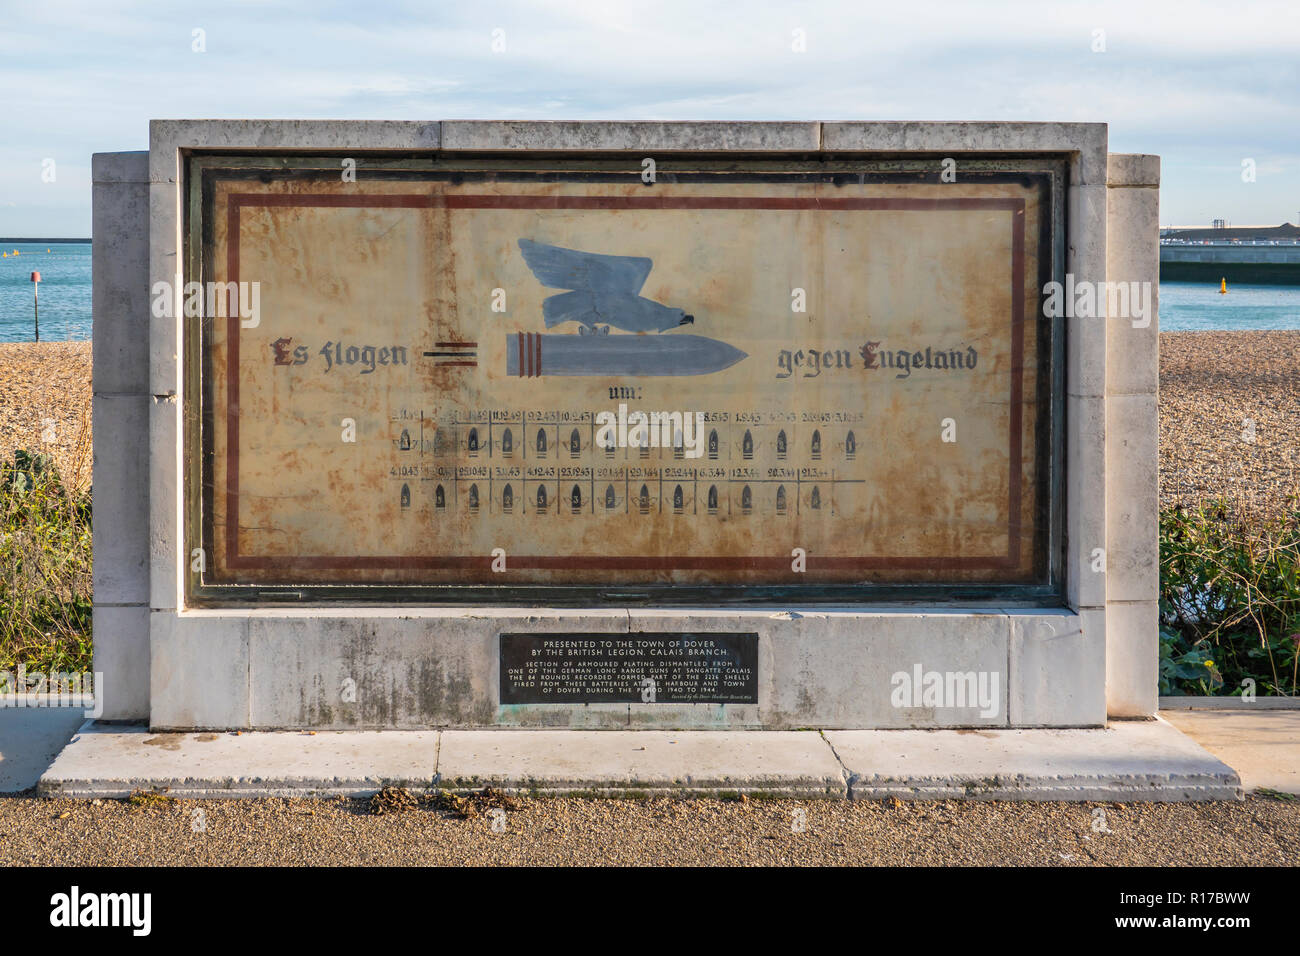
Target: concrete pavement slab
{"x":31,"y":737}
{"x":1129,"y":760}
{"x":1229,"y":703}
{"x":1263,"y":746}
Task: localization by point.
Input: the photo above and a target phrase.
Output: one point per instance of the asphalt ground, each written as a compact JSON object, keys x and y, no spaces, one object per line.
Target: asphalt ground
{"x":1261,"y":831}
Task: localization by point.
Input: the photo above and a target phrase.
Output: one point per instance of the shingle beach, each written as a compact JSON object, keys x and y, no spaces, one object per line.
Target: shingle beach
{"x":45,"y":404}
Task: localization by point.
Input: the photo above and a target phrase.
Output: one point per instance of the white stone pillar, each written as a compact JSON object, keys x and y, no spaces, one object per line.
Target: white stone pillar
{"x":1132,"y":440}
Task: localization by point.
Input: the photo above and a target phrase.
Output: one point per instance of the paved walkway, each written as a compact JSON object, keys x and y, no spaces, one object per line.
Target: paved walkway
{"x":1263,"y":746}
{"x":30,"y":739}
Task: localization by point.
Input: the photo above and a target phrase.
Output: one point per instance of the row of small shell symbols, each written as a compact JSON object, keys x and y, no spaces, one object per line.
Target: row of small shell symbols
{"x":474,"y":445}
{"x":642,"y":501}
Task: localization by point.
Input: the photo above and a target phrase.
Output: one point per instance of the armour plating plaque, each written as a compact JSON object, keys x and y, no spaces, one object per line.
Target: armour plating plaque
{"x":571,"y":379}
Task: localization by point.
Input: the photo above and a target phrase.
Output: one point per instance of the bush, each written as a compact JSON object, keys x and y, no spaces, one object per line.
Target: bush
{"x":1229,"y":600}
{"x":45,"y":562}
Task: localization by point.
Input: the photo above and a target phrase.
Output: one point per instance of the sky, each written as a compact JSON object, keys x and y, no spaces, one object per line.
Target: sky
{"x":1213,"y":88}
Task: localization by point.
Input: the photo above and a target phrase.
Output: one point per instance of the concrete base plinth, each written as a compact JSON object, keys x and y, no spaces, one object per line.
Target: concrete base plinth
{"x":1139,"y":760}
{"x":1129,"y":760}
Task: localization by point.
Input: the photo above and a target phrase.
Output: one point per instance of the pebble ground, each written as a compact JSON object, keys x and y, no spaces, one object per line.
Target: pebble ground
{"x":45,"y":404}
{"x":1260,"y":831}
{"x":1230,"y":418}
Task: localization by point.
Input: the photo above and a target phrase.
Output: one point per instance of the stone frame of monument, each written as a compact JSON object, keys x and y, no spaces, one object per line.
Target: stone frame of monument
{"x":822,"y":660}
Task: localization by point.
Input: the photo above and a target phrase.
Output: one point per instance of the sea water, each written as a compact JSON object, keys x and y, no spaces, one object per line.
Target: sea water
{"x":1200,"y":307}
{"x":65,"y":297}
{"x":64,"y":290}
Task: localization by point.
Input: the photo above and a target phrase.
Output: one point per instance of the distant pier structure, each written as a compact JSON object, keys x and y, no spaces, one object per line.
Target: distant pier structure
{"x":1265,"y":254}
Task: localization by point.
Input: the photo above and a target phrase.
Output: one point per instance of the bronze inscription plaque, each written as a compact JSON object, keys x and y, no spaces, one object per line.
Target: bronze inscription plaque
{"x":480,"y":380}
{"x":716,"y":667}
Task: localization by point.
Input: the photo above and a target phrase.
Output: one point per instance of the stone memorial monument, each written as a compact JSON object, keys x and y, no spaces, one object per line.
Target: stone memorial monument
{"x":625,"y":425}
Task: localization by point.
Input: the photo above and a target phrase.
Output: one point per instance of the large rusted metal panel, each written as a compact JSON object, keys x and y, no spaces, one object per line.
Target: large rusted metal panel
{"x":866,"y":356}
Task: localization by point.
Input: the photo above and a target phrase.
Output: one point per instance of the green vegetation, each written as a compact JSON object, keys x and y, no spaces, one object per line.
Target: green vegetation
{"x":1229,"y":600}
{"x":45,"y":585}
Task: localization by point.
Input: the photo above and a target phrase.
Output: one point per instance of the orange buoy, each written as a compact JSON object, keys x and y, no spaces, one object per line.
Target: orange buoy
{"x":1223,"y":287}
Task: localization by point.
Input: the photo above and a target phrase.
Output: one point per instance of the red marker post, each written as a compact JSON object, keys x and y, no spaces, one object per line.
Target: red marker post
{"x":36,"y":302}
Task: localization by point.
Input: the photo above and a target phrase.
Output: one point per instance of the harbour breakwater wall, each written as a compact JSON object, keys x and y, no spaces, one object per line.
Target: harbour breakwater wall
{"x":1274,"y":265}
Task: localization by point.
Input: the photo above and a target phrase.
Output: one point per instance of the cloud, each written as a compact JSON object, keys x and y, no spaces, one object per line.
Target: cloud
{"x":1202,"y":83}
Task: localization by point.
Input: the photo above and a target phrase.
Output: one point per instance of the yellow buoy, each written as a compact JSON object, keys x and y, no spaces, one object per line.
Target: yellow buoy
{"x":1223,"y":286}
